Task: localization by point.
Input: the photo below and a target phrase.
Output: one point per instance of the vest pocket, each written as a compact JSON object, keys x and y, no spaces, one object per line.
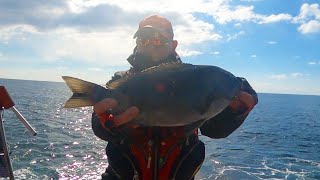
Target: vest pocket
{"x":189,"y":162}
{"x":121,"y":163}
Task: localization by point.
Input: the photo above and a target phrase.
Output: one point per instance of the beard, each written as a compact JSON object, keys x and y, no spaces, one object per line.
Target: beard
{"x":142,"y":61}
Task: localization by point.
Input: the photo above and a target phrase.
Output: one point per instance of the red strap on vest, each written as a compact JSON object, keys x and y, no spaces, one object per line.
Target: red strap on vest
{"x":171,"y":157}
{"x":146,"y":173}
{"x":142,"y":151}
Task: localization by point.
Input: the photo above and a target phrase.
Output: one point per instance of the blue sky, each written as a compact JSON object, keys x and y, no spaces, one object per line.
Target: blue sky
{"x":274,"y":45}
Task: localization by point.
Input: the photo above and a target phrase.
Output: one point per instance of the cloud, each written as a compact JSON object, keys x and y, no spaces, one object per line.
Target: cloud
{"x":275,"y":18}
{"x":215,"y":53}
{"x":17,"y":32}
{"x":4,"y":58}
{"x":108,"y":16}
{"x":102,"y":17}
{"x":101,"y":32}
{"x":312,"y":26}
{"x":308,"y":18}
{"x":95,"y":69}
{"x":101,"y":48}
{"x":253,"y":56}
{"x":250,"y":0}
{"x":220,"y":10}
{"x":90,"y":31}
{"x":186,"y":53}
{"x":224,"y":13}
{"x":35,"y":13}
{"x":240,"y":13}
{"x":313,"y":62}
{"x":307,"y":12}
{"x":93,"y":15}
{"x":297,"y":75}
{"x":272,"y":42}
{"x":194,"y":31}
{"x":237,"y":25}
{"x":235,"y":36}
{"x":45,"y":15}
{"x":279,"y":76}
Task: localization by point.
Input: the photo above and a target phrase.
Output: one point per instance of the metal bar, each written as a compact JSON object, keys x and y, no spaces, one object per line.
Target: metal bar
{"x":5,"y":147}
{"x":24,"y":121}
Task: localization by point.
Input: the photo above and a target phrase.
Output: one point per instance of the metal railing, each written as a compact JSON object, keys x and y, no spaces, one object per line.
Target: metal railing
{"x":6,"y":170}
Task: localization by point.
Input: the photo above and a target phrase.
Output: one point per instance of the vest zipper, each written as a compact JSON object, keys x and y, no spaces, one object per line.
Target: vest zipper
{"x":150,"y":144}
{"x":156,"y":144}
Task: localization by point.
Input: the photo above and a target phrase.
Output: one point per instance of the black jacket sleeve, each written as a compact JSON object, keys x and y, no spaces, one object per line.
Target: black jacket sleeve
{"x":98,"y":130}
{"x":226,"y":122}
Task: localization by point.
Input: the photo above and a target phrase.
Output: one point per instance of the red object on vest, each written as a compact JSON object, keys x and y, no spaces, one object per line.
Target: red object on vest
{"x":5,"y":99}
{"x":142,"y":150}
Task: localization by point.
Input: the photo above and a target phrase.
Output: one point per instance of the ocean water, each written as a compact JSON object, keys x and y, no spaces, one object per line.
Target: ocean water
{"x":279,"y":140}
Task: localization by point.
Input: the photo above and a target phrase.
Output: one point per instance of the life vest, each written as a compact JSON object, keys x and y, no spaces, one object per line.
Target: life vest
{"x":157,"y":153}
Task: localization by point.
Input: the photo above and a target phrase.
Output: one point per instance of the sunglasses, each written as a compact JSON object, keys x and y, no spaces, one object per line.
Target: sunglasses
{"x":153,"y":38}
{"x":156,"y":42}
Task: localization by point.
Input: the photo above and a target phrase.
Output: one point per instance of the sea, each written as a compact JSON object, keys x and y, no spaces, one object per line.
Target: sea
{"x":280,"y":139}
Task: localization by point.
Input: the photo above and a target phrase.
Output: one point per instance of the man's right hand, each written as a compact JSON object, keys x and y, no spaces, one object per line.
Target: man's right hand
{"x":243,"y":101}
{"x":104,"y":105}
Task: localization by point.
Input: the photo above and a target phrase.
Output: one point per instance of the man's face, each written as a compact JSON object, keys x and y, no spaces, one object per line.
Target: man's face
{"x":155,"y":46}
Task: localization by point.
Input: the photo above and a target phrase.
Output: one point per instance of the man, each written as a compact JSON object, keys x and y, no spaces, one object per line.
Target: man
{"x":136,"y":152}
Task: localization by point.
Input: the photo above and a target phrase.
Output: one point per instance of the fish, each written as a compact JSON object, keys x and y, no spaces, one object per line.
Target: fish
{"x":167,"y":95}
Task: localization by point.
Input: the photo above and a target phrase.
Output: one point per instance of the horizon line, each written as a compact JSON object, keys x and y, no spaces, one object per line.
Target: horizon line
{"x":280,"y":93}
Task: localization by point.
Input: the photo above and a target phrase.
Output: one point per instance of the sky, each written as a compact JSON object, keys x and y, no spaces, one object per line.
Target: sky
{"x":274,"y":44}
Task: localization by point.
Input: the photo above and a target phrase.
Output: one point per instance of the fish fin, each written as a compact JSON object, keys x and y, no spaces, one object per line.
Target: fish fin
{"x":76,"y":102}
{"x":82,"y":91}
{"x":115,"y":84}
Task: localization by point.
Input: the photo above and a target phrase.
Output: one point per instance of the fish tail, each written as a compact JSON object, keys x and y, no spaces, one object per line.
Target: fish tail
{"x":82,"y":92}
